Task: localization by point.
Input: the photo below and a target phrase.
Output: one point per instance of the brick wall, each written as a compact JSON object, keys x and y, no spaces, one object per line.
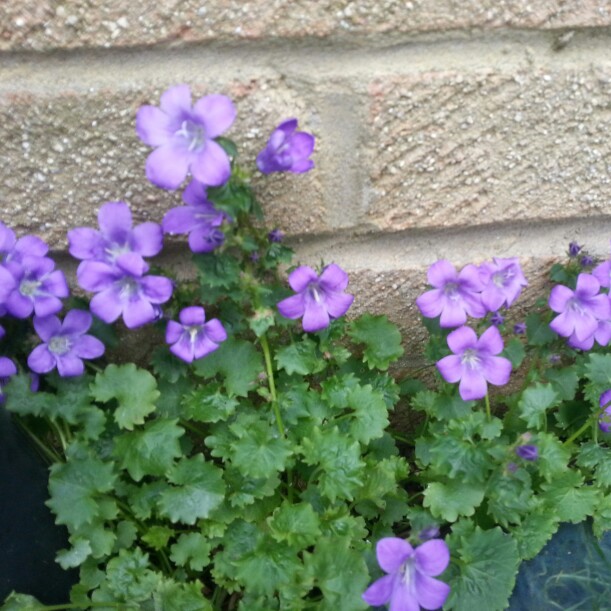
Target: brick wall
{"x":463,"y":129}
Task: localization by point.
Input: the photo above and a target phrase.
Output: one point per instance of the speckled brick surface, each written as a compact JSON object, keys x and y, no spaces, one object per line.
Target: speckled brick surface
{"x":66,"y":155}
{"x":452,"y":149}
{"x":46,"y":24}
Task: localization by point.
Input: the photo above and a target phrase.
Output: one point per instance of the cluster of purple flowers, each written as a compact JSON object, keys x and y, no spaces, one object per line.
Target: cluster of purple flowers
{"x":584,"y":314}
{"x":475,"y":292}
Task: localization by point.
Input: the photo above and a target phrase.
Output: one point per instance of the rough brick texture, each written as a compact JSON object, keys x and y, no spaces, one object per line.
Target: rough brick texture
{"x":45,"y":24}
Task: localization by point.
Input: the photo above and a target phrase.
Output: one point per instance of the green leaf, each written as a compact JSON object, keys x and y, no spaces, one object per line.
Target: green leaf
{"x":534,"y":532}
{"x":76,"y":555}
{"x":538,"y":330}
{"x":130,"y":577}
{"x":298,"y":525}
{"x":238,"y":363}
{"x":339,"y":462}
{"x":172,"y":596}
{"x":535,"y":402}
{"x":199,"y":489}
{"x":135,"y":391}
{"x":151,"y":451}
{"x":515,"y":352}
{"x":75,"y":487}
{"x":341,"y":574}
{"x":601,"y":518}
{"x":553,"y":456}
{"x":381,"y":338}
{"x":564,"y":381}
{"x":301,"y":357}
{"x":442,"y":407}
{"x":217,"y":271}
{"x":509,"y":496}
{"x":258,"y":452}
{"x":448,"y":501}
{"x":598,"y":370}
{"x":209,"y":404}
{"x":569,"y":499}
{"x":22,"y":602}
{"x":488,"y":566}
{"x":597,"y":459}
{"x":192,"y":549}
{"x":157,"y":536}
{"x":369,"y":417}
{"x":167,"y":365}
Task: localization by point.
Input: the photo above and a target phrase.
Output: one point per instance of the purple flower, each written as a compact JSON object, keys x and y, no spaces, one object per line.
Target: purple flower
{"x":115,"y":236}
{"x":579,"y":310}
{"x":455,"y":295}
{"x":287,"y":150}
{"x":275,"y":236}
{"x":528,"y":452}
{"x":65,"y":344}
{"x":586,"y":261}
{"x":519,"y":328}
{"x":474,"y":362}
{"x":574,"y":249}
{"x":430,"y":532}
{"x":318,"y":299}
{"x":503,"y":281}
{"x":124,"y":290}
{"x":13,"y":249}
{"x":200,"y":219}
{"x":497,"y":319}
{"x":602,"y":273}
{"x":38,"y":288}
{"x":7,"y":369}
{"x":184,"y":138}
{"x":194,"y":338}
{"x":604,"y":420}
{"x":409,"y":584}
{"x":601,"y":336}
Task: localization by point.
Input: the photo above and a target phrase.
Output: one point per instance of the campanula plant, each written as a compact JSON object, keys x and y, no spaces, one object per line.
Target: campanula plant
{"x":248,"y":461}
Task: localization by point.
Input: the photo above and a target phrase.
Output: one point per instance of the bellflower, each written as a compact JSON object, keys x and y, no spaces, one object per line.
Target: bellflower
{"x":184,"y":138}
{"x":474,"y":362}
{"x":528,"y":452}
{"x":124,"y":290}
{"x":503,"y":281}
{"x":38,"y":288}
{"x":115,"y":236}
{"x":200,"y":219}
{"x":574,"y":249}
{"x":601,"y":336}
{"x":602,"y":272}
{"x":287,"y":150}
{"x":604,"y":420}
{"x":13,"y":249}
{"x":65,"y":344}
{"x":454,"y":296}
{"x":409,"y":583}
{"x":194,"y":338}
{"x":318,"y":298}
{"x":579,"y":310}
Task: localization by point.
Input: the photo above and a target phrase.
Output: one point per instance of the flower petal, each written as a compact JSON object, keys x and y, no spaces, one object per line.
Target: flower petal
{"x":432,"y":557}
{"x":147,"y":239}
{"x":211,"y":165}
{"x":115,"y":220}
{"x":41,"y":360}
{"x":173,"y":332}
{"x":462,"y":339}
{"x":181,"y":219}
{"x":167,"y":166}
{"x":158,"y":289}
{"x":193,"y":315}
{"x":392,"y":552}
{"x":215,"y":330}
{"x":138,"y":312}
{"x":453,"y":314}
{"x":431,"y":303}
{"x":496,"y":370}
{"x":95,"y":276}
{"x":300,"y":278}
{"x":430,"y":593}
{"x":403,"y":599}
{"x":380,"y":591}
{"x":338,"y":304}
{"x":195,"y":193}
{"x":184,"y":348}
{"x":154,"y":127}
{"x":440,"y":273}
{"x":450,"y":368}
{"x":69,"y":366}
{"x":315,"y":317}
{"x":47,"y":327}
{"x":217,"y":113}
{"x":85,"y":243}
{"x":333,"y":278}
{"x":176,"y":101}
{"x":292,"y":307}
{"x":472,"y":385}
{"x":558,"y":297}
{"x":88,"y":347}
{"x":490,"y":341}
{"x":107,"y":305}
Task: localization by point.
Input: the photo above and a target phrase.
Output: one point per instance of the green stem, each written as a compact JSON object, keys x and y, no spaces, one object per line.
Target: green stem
{"x":271,"y":382}
{"x":49,"y":454}
{"x":488,"y":414}
{"x":59,"y":433}
{"x":580,"y":431}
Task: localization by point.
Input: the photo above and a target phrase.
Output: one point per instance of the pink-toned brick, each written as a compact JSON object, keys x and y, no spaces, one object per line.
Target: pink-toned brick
{"x":457,"y":149}
{"x":65,"y":155}
{"x":46,"y":24}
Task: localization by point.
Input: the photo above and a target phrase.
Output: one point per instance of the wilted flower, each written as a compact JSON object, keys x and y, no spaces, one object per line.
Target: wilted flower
{"x":115,"y":237}
{"x":430,"y":532}
{"x":580,"y":310}
{"x":318,"y":299}
{"x":65,"y":344}
{"x":519,"y":328}
{"x":123,"y":289}
{"x":574,"y":249}
{"x":604,"y":420}
{"x":184,"y":137}
{"x":497,"y":319}
{"x":409,"y":583}
{"x":474,"y":362}
{"x":528,"y":452}
{"x":503,"y":281}
{"x":275,"y":236}
{"x":193,"y":337}
{"x":455,"y":295}
{"x":586,"y":261}
{"x":287,"y":150}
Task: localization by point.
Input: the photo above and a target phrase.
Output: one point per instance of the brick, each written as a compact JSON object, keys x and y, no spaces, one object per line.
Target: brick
{"x":457,"y":149}
{"x":44,"y":25}
{"x":65,"y":155}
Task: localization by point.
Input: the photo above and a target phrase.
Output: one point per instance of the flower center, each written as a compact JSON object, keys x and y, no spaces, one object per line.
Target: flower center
{"x":114,"y":251}
{"x":314,"y":292}
{"x":193,"y":331}
{"x":576,"y":306}
{"x":193,"y":133}
{"x":503,"y":278}
{"x":59,"y":345}
{"x":29,"y":288}
{"x":408,"y":570}
{"x":129,"y":288}
{"x":470,"y":358}
{"x":450,"y":290}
